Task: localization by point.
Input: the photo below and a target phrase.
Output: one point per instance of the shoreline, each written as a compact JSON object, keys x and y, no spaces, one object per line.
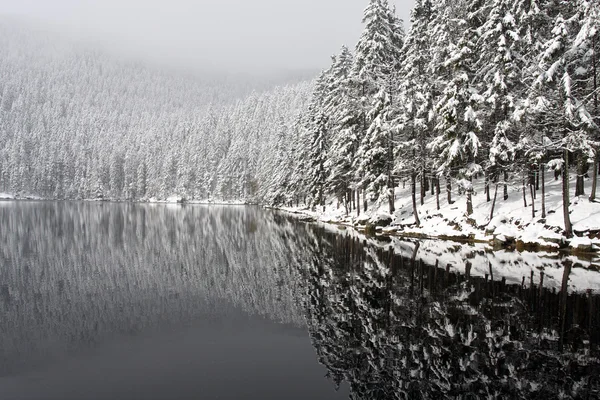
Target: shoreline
{"x":494,"y":243}
{"x":475,"y":236}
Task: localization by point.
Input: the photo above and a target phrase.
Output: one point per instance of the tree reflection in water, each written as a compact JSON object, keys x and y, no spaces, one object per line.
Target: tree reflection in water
{"x":397,"y":320}
{"x":395,"y":327}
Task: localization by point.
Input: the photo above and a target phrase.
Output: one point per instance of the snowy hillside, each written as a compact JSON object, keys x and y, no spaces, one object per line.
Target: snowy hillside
{"x":76,"y":123}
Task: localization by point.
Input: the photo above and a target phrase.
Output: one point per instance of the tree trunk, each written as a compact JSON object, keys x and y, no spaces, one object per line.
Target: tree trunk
{"x":391,"y":198}
{"x":422,"y":188}
{"x":531,"y":189}
{"x":487,"y":187}
{"x":432,"y":184}
{"x":469,"y":201}
{"x":365,"y":201}
{"x":413,"y":181}
{"x":505,"y":185}
{"x":565,"y":194}
{"x":449,"y":189}
{"x":543,"y":178}
{"x":579,"y":185}
{"x":524,"y":195}
{"x":358,"y":202}
{"x":594,"y":178}
{"x":494,"y":202}
{"x":437,"y":193}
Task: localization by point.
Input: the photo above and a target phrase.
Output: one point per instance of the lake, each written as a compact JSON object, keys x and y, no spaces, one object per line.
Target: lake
{"x":132,"y":301}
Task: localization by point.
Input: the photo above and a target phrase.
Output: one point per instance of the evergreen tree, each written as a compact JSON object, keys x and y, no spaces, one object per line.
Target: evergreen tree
{"x":459,"y":124}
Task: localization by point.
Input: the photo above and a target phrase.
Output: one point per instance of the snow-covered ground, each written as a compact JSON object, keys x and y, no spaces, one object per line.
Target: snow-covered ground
{"x":511,"y":219}
{"x":181,"y":200}
{"x":10,"y":196}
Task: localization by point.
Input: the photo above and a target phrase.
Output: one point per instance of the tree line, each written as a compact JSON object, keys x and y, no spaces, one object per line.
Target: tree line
{"x":494,"y":89}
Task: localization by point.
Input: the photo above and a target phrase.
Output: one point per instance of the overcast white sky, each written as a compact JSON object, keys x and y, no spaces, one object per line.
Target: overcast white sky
{"x":235,"y":35}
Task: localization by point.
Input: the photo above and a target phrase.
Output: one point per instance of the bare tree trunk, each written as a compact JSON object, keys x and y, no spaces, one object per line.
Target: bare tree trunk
{"x":422,"y":188}
{"x":494,"y":202}
{"x":543,"y":176}
{"x":358,"y":202}
{"x":365,"y":201}
{"x":449,"y":189}
{"x":487,"y":187}
{"x":505,"y":185}
{"x":391,"y":198}
{"x":531,"y":189}
{"x":469,"y":201}
{"x":437,"y":192}
{"x":565,"y":195}
{"x":579,"y":185}
{"x":523,"y":187}
{"x":594,"y":178}
{"x":413,"y":180}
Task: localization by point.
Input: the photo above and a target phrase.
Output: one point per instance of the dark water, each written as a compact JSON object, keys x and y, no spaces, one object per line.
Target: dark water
{"x":111,"y":301}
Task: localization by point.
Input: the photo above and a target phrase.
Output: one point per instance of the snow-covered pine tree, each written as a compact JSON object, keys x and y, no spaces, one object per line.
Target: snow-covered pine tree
{"x":342,"y":108}
{"x":459,"y":126}
{"x":377,"y":56}
{"x":316,"y":141}
{"x":376,"y":161}
{"x":500,"y":71}
{"x":416,"y":99}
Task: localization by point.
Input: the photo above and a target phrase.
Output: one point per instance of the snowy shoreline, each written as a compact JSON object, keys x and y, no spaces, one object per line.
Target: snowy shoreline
{"x":513,"y":225}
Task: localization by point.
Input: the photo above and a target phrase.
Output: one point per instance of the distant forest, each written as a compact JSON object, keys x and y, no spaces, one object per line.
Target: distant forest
{"x":492,"y":89}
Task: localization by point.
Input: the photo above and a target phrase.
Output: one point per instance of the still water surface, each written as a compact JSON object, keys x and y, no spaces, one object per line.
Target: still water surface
{"x":121,"y":301}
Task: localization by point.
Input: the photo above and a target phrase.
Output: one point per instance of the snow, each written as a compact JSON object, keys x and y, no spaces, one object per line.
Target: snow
{"x":172,"y":200}
{"x":511,"y":219}
{"x":10,"y":196}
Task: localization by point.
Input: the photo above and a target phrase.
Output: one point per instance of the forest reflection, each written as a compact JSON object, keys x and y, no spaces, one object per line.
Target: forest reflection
{"x":75,"y":274}
{"x":396,"y":327}
{"x":395,"y":319}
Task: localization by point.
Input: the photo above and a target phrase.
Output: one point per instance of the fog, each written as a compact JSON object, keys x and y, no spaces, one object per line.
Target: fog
{"x":223,"y":35}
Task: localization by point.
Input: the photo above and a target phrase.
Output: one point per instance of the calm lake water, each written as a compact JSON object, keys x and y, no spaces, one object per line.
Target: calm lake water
{"x":122,"y":301}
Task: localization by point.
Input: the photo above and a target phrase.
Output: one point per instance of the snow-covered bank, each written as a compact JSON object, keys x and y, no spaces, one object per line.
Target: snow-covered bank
{"x":169,"y":200}
{"x":512,"y":221}
{"x":10,"y":196}
{"x":182,"y":200}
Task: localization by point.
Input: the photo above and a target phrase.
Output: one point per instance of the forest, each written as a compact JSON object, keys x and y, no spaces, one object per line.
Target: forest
{"x":493,"y":91}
